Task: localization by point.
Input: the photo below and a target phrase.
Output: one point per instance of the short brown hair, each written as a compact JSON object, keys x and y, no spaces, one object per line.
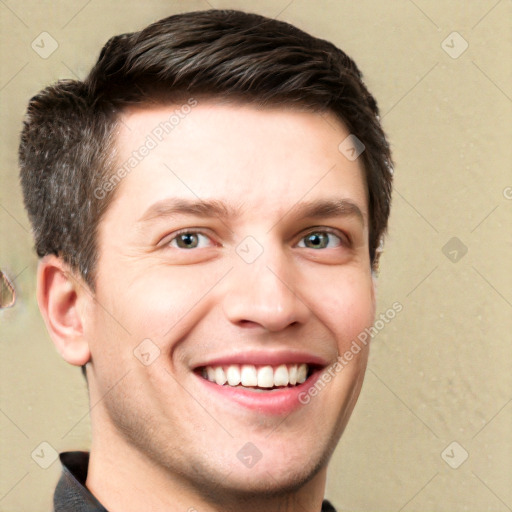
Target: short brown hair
{"x":68,"y":140}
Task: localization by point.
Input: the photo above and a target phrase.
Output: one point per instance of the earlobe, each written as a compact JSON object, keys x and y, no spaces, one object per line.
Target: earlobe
{"x":60,"y":305}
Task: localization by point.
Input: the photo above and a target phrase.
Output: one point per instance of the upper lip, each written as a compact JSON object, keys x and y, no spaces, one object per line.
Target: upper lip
{"x":262,"y":358}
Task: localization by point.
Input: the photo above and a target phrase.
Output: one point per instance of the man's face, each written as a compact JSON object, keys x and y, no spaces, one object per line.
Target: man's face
{"x":239,"y":244}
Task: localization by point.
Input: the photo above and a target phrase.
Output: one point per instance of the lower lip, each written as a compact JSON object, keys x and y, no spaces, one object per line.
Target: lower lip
{"x":277,"y":402}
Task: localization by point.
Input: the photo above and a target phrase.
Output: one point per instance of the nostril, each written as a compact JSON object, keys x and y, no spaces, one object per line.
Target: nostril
{"x":248,"y":323}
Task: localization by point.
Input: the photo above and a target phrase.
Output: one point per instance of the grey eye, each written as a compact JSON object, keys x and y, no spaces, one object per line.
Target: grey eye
{"x":320,"y":240}
{"x":190,"y":240}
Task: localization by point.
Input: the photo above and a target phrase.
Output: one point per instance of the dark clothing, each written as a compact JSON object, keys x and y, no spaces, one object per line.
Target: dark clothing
{"x":71,"y":495}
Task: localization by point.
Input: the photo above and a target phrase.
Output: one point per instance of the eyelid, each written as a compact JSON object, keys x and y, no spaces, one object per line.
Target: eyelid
{"x":167,"y":239}
{"x":344,"y":237}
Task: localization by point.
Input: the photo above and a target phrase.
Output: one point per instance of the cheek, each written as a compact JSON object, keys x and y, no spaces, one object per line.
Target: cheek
{"x":162,"y":302}
{"x":347,"y":308}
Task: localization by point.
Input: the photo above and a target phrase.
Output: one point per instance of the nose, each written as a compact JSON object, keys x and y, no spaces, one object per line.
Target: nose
{"x":264,"y":293}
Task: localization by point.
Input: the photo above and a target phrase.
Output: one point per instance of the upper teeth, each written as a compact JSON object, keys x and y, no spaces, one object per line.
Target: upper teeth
{"x":249,"y":375}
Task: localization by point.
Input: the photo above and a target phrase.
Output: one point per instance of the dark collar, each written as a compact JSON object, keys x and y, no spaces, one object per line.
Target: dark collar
{"x":71,"y":495}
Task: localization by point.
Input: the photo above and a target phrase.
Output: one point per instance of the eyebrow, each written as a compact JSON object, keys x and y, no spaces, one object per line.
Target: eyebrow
{"x":321,"y":208}
{"x":198,"y":207}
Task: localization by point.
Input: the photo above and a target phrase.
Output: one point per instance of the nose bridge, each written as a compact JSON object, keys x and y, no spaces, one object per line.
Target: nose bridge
{"x":263,"y":292}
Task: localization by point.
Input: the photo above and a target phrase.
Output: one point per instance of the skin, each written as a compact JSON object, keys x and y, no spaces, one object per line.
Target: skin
{"x":161,"y":439}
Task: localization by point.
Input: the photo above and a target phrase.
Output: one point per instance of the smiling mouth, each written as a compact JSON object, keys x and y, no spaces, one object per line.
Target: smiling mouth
{"x":257,"y":377}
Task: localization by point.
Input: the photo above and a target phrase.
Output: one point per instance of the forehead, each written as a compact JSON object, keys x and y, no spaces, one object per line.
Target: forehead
{"x":262,"y":158}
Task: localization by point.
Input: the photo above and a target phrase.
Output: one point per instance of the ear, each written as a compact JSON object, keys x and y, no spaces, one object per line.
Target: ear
{"x":373,"y":292}
{"x":60,"y":296}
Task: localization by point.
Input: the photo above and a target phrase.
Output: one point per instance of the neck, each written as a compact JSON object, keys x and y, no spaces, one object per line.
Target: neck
{"x":125,"y":480}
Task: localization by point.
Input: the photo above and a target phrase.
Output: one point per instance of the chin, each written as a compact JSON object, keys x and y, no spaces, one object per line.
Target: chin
{"x":268,"y":482}
{"x":278,"y":472}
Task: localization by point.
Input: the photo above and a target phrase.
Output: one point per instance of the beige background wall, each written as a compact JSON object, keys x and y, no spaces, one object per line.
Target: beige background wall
{"x":440,"y":371}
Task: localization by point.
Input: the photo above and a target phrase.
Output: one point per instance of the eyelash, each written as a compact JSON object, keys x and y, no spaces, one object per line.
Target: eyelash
{"x":344,"y":240}
{"x":189,"y":231}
